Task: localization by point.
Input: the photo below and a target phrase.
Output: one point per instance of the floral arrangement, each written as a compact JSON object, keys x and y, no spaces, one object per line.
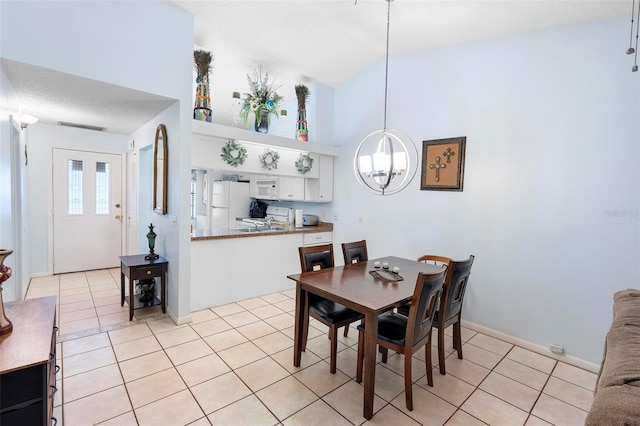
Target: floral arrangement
{"x":302,"y":93}
{"x":202,"y":63}
{"x":304,"y":163}
{"x":262,"y":97}
{"x":269,"y":159}
{"x":302,"y":132}
{"x":234,"y":153}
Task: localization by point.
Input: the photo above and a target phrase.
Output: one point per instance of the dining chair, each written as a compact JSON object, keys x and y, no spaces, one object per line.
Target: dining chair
{"x":355,"y":252}
{"x":332,"y":314}
{"x":450,"y":310}
{"x":433,"y":260}
{"x":407,"y":334}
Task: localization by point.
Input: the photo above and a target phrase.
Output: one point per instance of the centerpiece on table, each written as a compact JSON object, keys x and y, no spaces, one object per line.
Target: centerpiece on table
{"x":262,"y":100}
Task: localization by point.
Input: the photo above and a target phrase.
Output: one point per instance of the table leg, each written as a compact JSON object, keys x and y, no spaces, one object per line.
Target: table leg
{"x":163,"y":290}
{"x":131,"y":297}
{"x":121,"y":287}
{"x":370,"y":339}
{"x":301,"y":297}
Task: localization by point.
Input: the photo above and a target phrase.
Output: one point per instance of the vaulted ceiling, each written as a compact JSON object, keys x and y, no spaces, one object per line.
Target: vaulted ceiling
{"x":298,"y":41}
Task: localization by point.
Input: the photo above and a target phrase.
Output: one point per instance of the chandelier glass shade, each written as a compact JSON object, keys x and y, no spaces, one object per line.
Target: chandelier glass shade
{"x":385,"y":161}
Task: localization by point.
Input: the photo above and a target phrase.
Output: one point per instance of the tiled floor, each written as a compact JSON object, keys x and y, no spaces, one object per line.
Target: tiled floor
{"x":233,"y":365}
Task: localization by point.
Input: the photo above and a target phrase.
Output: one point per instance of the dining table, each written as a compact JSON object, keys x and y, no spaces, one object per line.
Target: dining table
{"x":366,"y":287}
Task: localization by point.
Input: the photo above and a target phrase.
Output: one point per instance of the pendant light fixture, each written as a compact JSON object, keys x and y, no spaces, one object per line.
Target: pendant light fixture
{"x":386,"y":160}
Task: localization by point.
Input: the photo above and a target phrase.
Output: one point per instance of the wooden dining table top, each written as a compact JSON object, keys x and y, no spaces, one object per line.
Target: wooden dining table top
{"x":354,"y":286}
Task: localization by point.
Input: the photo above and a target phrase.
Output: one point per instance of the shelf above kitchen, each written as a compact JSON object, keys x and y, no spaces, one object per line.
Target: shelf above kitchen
{"x":202,"y":128}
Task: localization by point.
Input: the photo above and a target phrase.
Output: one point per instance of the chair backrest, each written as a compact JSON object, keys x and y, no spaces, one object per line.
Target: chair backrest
{"x":355,"y":252}
{"x":424,"y":305}
{"x":314,"y":258}
{"x":435,"y":260}
{"x":455,"y":287}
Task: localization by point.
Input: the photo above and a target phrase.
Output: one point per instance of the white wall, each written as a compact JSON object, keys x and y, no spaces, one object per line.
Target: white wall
{"x":163,"y":224}
{"x":145,"y":46}
{"x":551,"y":120}
{"x":9,"y":181}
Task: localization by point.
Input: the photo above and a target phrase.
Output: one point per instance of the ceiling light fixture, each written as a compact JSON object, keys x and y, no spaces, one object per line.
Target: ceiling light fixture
{"x":386,"y":160}
{"x":631,"y":50}
{"x":26,"y":120}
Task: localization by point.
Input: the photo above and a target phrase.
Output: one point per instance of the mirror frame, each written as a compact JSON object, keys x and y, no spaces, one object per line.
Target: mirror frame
{"x":160,"y":170}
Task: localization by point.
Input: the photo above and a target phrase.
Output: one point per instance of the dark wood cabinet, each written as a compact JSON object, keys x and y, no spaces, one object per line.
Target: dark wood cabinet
{"x":28,"y":363}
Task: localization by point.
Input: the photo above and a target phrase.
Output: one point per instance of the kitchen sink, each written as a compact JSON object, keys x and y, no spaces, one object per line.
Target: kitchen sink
{"x":247,"y":229}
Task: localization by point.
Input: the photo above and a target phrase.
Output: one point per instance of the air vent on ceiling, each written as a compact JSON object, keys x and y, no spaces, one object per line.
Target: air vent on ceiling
{"x":81,"y":126}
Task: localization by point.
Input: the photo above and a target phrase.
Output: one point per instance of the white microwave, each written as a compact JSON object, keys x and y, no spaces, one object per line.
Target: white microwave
{"x":267,"y":189}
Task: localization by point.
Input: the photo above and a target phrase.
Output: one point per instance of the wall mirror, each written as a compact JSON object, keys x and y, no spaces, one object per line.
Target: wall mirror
{"x":160,"y":171}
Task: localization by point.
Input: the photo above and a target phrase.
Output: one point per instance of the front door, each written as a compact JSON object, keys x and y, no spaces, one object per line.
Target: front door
{"x":87,"y":212}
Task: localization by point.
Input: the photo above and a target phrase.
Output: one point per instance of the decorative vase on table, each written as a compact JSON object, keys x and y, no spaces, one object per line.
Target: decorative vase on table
{"x":5,"y":274}
{"x":147,"y":289}
{"x":202,"y":107}
{"x":262,"y":124}
{"x":151,"y":237}
{"x":302,"y":132}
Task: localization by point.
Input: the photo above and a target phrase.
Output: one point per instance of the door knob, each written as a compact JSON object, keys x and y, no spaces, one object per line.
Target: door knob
{"x":118,"y":216}
{"x":118,"y":205}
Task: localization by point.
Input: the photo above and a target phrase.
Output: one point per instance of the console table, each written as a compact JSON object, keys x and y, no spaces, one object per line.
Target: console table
{"x":28,"y":363}
{"x":135,"y":268}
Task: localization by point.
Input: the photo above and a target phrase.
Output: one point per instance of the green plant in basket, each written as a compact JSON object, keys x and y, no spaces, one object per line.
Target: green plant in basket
{"x":262,"y":97}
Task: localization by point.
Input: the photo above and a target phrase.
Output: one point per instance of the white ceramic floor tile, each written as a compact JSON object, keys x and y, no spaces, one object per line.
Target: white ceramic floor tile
{"x":248,"y":411}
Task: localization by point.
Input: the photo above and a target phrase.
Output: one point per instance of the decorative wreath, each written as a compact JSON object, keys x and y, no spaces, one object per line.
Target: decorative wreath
{"x":304,"y":163}
{"x":234,"y":153}
{"x":269,"y":159}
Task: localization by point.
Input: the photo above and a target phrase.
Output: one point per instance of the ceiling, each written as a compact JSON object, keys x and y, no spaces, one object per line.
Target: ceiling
{"x":297,"y":41}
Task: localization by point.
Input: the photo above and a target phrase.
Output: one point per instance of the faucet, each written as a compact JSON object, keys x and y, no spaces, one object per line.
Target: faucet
{"x":269,"y":220}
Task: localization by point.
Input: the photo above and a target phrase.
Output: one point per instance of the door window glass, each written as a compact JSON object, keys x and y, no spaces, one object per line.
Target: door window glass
{"x":75,"y":187}
{"x":102,"y":188}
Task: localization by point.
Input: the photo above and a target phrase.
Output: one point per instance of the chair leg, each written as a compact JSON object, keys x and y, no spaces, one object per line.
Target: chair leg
{"x":305,"y":329}
{"x":360,"y":360}
{"x":385,"y":354}
{"x":441,"y":358}
{"x":334,"y":348}
{"x":408,"y":388}
{"x":457,"y":338}
{"x":427,"y":348}
{"x":346,"y":329}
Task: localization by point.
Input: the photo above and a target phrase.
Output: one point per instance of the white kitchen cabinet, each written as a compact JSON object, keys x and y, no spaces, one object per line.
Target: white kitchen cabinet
{"x":320,"y":190}
{"x":317,"y":238}
{"x":291,"y":188}
{"x":233,"y":269}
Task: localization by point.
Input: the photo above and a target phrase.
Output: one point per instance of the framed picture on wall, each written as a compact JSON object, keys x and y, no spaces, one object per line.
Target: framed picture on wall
{"x":443,"y":164}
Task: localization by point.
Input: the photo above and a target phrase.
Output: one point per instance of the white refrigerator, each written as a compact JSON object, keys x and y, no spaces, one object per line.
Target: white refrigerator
{"x":229,"y":200}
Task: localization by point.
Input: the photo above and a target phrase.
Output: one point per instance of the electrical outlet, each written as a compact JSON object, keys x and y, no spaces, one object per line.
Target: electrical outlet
{"x":335,"y":217}
{"x":556,"y":349}
{"x":360,"y":219}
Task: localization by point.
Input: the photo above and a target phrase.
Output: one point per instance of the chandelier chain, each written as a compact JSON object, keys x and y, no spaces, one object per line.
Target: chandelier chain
{"x":633,"y":5}
{"x":386,"y":65}
{"x":635,"y":59}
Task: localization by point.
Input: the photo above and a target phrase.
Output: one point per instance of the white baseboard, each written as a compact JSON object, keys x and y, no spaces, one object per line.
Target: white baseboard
{"x":576,"y":362}
{"x":39,"y":275}
{"x":181,"y":320}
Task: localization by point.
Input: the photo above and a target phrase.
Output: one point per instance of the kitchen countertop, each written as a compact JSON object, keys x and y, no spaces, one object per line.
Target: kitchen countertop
{"x":218,"y":234}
